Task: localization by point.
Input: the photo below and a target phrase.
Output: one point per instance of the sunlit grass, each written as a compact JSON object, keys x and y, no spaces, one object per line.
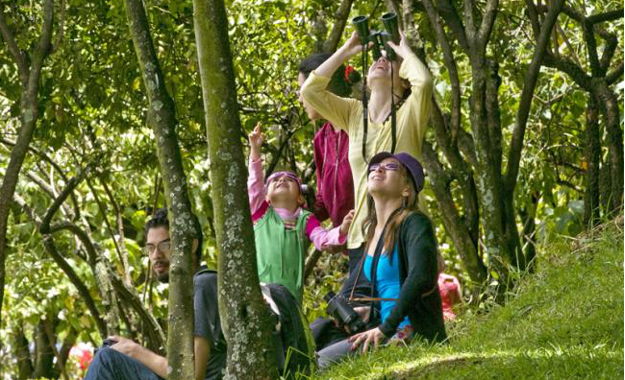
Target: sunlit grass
{"x":564,"y":321}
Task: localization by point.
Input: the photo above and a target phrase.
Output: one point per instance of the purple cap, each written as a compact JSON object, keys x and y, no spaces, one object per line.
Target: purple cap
{"x":410,"y":163}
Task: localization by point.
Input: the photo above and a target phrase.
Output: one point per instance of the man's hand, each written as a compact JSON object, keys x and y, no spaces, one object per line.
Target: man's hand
{"x":347,"y":221}
{"x":125,"y":346}
{"x":374,"y":336}
{"x":256,"y":141}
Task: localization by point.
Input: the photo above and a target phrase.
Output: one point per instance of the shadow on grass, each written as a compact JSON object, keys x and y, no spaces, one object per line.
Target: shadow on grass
{"x":439,"y":366}
{"x":577,"y":362}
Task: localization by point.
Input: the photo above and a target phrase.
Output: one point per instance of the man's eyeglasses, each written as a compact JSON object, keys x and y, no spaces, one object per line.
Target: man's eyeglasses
{"x":392,"y":166}
{"x":163,"y":246}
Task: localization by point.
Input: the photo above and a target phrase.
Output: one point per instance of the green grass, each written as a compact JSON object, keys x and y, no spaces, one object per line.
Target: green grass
{"x":564,"y":321}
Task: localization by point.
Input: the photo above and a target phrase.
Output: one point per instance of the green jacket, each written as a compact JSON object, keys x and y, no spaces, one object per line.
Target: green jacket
{"x":280,"y":252}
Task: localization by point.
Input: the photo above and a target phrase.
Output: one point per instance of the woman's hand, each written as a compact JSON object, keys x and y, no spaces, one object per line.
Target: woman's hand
{"x":256,"y":141}
{"x":374,"y":336}
{"x":403,"y":50}
{"x":352,"y":46}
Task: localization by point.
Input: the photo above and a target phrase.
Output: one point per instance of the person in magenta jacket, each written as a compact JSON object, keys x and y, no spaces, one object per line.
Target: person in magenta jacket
{"x":335,"y":186}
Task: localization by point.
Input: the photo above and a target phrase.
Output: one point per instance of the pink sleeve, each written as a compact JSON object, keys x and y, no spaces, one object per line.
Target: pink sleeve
{"x":256,"y":186}
{"x":322,"y":238}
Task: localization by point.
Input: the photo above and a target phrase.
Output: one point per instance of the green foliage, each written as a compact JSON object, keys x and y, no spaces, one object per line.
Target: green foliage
{"x":93,"y":110}
{"x":565,"y":321}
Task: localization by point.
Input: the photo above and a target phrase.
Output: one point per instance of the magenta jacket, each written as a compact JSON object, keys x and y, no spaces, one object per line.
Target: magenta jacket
{"x":335,"y":185}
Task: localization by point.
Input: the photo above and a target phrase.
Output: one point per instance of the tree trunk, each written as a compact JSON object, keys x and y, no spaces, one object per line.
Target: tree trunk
{"x":44,"y":356}
{"x":610,"y":110}
{"x":161,"y":116}
{"x":244,"y":316}
{"x":22,"y":354}
{"x":593,"y":160}
{"x":29,"y":113}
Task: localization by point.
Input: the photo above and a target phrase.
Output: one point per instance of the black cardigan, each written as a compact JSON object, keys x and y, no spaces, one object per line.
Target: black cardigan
{"x":418,"y":273}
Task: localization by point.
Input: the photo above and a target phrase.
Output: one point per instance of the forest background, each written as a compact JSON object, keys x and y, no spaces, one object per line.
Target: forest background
{"x":525,"y":144}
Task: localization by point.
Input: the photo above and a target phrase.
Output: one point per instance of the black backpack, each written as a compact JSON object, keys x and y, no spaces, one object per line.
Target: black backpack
{"x":294,"y":343}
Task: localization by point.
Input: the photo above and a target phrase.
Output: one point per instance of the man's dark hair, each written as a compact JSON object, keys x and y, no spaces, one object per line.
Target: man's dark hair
{"x":160,"y":219}
{"x":340,"y":84}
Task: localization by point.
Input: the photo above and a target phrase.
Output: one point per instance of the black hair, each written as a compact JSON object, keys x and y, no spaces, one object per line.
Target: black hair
{"x":341,"y":82}
{"x":160,"y":219}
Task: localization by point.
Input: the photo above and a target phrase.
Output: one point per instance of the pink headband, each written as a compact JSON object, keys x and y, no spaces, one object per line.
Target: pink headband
{"x":290,"y":175}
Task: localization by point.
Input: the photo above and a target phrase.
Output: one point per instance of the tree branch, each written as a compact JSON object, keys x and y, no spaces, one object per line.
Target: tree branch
{"x":129,"y":296}
{"x":487,"y":23}
{"x":120,"y":231}
{"x":571,"y":69}
{"x":450,"y":63}
{"x":71,"y":185}
{"x":55,"y":165}
{"x":532,"y":12}
{"x":48,"y":243}
{"x":59,"y":35}
{"x":615,"y":74}
{"x":18,"y":56}
{"x":340,"y":19}
{"x":448,"y":12}
{"x":591,"y":46}
{"x":608,"y":54}
{"x":531,"y":78}
{"x":43,"y":48}
{"x":607,"y":16}
{"x":469,"y":24}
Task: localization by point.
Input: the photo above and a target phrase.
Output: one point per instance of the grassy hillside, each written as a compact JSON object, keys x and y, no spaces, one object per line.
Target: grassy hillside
{"x":565,"y":321}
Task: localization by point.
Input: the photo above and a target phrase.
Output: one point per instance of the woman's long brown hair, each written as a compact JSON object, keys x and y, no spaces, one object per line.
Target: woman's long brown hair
{"x":409,"y":205}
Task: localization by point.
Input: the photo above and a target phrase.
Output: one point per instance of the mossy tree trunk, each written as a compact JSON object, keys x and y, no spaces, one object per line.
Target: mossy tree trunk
{"x":244,"y":316}
{"x":162,"y":118}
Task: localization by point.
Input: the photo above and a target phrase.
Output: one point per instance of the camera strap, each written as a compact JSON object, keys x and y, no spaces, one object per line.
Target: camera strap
{"x":393,"y":119}
{"x":376,"y":257}
{"x":365,"y":104}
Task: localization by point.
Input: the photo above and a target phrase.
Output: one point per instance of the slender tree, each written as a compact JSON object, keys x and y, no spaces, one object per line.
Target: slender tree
{"x":244,"y":316}
{"x":162,"y":118}
{"x":29,"y":65}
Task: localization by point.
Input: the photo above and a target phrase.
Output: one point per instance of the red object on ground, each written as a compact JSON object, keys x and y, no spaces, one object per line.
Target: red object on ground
{"x":449,"y":287}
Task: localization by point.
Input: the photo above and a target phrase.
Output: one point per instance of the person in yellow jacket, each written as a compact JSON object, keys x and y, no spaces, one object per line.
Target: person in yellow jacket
{"x":406,"y":83}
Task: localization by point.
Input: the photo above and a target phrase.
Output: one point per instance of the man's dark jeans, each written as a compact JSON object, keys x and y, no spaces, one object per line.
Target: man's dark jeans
{"x":110,"y":364}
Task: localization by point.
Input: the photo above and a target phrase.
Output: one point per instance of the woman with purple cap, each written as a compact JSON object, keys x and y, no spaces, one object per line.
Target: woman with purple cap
{"x":399,"y":259}
{"x":283,"y":229}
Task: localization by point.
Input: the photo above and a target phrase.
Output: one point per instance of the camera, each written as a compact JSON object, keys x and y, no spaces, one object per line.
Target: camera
{"x":379,"y":39}
{"x":340,"y":309}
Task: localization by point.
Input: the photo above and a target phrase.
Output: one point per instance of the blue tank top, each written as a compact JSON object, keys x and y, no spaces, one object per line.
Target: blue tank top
{"x":387,"y":283}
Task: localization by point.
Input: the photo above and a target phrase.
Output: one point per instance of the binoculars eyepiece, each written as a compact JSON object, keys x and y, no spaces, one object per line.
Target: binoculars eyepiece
{"x":379,"y":39}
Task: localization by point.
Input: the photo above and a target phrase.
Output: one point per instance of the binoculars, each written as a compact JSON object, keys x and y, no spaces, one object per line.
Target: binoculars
{"x":379,"y":39}
{"x":340,"y":309}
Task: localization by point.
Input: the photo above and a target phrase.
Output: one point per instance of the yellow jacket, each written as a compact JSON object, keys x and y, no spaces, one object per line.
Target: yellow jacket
{"x":346,"y":114}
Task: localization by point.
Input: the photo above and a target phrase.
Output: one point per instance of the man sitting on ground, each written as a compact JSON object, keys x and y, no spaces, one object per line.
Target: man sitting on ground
{"x":124,"y":359}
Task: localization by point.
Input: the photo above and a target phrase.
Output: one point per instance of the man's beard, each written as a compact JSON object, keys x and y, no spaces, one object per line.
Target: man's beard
{"x":164,"y":277}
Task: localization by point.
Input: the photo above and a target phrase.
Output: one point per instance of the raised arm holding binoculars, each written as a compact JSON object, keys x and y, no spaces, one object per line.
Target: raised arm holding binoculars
{"x":372,"y":125}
